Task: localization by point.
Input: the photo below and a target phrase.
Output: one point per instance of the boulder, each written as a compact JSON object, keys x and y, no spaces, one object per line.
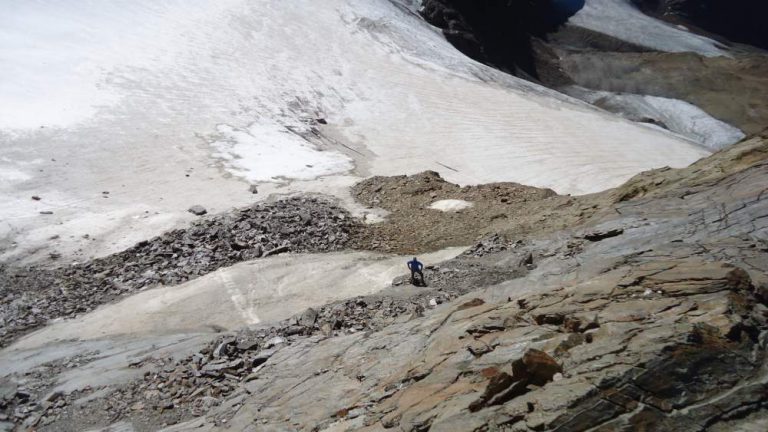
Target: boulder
{"x":308,"y":318}
{"x":537,"y":367}
{"x":197,"y":210}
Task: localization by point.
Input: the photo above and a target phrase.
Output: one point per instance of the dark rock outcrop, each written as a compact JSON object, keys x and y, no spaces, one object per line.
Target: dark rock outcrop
{"x":499,"y":32}
{"x":534,"y":41}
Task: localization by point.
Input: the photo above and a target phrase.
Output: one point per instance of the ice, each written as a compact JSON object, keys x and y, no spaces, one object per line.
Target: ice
{"x":676,"y":115}
{"x":176,"y":103}
{"x":264,"y":290}
{"x":61,"y":62}
{"x":622,"y":20}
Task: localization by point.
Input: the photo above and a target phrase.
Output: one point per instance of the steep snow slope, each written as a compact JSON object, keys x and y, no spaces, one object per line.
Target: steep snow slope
{"x":168,"y":104}
{"x":622,"y":20}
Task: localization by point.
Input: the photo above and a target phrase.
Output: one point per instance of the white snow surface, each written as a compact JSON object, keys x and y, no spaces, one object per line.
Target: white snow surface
{"x":450,"y":205}
{"x":678,"y":116}
{"x":622,"y":20}
{"x":269,"y":152}
{"x":169,"y":104}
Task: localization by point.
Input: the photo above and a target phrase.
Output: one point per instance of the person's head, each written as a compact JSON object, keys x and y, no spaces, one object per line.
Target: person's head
{"x":414,"y":258}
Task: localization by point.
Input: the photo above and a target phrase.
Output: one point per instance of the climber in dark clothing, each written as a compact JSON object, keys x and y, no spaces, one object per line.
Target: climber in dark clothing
{"x":416,"y":268}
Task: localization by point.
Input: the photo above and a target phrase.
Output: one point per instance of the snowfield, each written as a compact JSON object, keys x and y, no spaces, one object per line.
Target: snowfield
{"x":169,"y":104}
{"x":622,"y":20}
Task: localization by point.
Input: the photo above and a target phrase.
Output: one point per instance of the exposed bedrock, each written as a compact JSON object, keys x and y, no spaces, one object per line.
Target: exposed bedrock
{"x":499,"y":32}
{"x":649,"y":316}
{"x":649,"y":311}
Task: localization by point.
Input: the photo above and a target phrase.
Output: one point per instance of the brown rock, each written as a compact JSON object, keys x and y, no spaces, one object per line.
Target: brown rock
{"x":537,"y":367}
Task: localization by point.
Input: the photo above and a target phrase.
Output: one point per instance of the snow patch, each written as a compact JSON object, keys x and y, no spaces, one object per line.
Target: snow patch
{"x":622,"y":20}
{"x":690,"y":121}
{"x":270,"y":152}
{"x":675,"y":115}
{"x":451,"y":205}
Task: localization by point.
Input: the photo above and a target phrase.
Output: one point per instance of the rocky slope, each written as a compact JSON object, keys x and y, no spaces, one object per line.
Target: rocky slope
{"x":652,"y":316}
{"x":643,"y":307}
{"x":33,"y":295}
{"x":648,"y":312}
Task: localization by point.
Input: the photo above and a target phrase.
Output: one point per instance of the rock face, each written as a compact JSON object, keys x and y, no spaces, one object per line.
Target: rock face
{"x":651,"y":314}
{"x":660,"y":325}
{"x":498,"y":32}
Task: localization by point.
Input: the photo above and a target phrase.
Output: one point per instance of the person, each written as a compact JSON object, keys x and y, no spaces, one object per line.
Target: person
{"x":416,"y":268}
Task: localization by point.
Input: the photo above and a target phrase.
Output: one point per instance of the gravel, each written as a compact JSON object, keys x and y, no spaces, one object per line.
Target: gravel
{"x":31,"y":296}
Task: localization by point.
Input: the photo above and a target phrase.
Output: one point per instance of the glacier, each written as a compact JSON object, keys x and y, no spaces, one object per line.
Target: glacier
{"x":169,"y":104}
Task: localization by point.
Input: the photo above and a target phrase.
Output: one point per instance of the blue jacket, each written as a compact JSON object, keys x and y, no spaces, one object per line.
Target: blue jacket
{"x":415,"y":265}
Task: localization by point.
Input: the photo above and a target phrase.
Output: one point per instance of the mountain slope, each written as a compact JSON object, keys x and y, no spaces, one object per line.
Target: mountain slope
{"x":650,"y":317}
{"x":120,"y":128}
{"x":649,"y":313}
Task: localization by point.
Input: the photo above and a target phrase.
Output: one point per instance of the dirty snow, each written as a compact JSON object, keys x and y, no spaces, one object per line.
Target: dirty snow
{"x":622,"y":20}
{"x":676,"y":115}
{"x":263,"y":290}
{"x":171,"y":104}
{"x":450,"y":205}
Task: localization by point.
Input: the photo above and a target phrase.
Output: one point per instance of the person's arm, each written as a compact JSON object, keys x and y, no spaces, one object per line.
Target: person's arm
{"x":409,"y":266}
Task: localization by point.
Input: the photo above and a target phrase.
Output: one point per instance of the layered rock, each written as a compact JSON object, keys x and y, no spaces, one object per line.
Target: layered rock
{"x":649,"y":312}
{"x":650,"y":315}
{"x":659,"y":325}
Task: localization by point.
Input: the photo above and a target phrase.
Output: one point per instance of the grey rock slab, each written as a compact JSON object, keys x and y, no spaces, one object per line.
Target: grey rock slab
{"x":197,"y":210}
